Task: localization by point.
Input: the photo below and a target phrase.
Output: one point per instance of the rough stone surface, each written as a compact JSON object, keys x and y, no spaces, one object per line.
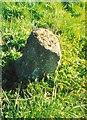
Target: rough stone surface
{"x":41,"y":55}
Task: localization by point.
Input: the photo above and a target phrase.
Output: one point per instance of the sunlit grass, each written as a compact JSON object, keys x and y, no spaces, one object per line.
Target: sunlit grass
{"x":63,"y":93}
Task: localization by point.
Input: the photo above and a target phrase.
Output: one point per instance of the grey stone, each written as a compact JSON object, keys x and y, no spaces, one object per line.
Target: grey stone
{"x":41,"y":55}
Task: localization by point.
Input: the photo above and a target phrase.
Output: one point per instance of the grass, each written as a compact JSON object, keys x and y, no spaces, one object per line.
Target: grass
{"x":63,"y":93}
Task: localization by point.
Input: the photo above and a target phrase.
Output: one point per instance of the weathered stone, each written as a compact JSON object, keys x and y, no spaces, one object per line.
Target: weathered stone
{"x":41,"y":55}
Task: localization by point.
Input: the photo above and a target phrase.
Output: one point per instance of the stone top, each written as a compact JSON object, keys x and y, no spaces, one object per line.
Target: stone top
{"x":47,"y":39}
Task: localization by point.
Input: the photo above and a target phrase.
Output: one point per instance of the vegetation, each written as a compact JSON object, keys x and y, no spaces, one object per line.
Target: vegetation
{"x":63,"y":93}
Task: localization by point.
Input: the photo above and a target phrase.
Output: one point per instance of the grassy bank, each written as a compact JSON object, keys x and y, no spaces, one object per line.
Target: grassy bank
{"x":63,"y":93}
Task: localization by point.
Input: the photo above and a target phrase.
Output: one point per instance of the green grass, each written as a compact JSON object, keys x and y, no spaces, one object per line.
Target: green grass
{"x":63,"y":93}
